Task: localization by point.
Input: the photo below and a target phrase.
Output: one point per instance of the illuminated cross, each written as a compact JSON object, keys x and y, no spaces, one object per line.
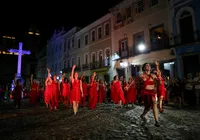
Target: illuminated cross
{"x":20,"y":53}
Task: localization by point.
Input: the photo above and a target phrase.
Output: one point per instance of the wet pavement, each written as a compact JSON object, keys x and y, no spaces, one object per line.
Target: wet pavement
{"x":105,"y":123}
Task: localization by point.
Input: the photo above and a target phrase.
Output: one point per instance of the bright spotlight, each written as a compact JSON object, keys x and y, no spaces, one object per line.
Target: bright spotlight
{"x":141,"y":47}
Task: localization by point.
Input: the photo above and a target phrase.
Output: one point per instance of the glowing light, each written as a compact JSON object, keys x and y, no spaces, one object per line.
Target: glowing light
{"x":60,"y":71}
{"x":121,"y":63}
{"x":37,"y":33}
{"x":30,"y":33}
{"x":57,"y":78}
{"x":9,"y":37}
{"x":20,"y":53}
{"x":171,"y":63}
{"x":141,"y":47}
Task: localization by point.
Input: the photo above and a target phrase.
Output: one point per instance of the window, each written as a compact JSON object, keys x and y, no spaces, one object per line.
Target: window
{"x":93,"y":58}
{"x":86,"y":59}
{"x":140,"y":6}
{"x":68,"y":44}
{"x":93,"y":35}
{"x":55,"y":67}
{"x":99,"y":33}
{"x":79,"y":61}
{"x":86,"y":39}
{"x":73,"y":61}
{"x":138,"y":39}
{"x":108,"y":57}
{"x":72,"y":42}
{"x":153,"y":2}
{"x":68,"y":63}
{"x":79,"y":43}
{"x":129,"y":12}
{"x":123,"y":48}
{"x":100,"y":58}
{"x":107,"y":29}
{"x":118,"y":18}
{"x":64,"y":64}
{"x":65,"y":46}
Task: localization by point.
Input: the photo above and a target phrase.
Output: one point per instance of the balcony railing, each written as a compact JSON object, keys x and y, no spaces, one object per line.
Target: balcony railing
{"x":100,"y":64}
{"x":67,"y":70}
{"x":187,"y":38}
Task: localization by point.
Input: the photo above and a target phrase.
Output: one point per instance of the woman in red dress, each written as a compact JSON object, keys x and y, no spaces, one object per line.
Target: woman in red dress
{"x":65,"y":90}
{"x":93,"y":94}
{"x":131,"y":91}
{"x":48,"y":90}
{"x":85,"y":91}
{"x":102,"y":91}
{"x":118,"y":92}
{"x":17,"y":94}
{"x":77,"y":90}
{"x":34,"y":92}
{"x":55,"y":93}
{"x":149,"y":94}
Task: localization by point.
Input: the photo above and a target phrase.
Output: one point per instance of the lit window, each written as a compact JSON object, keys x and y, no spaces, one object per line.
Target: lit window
{"x":30,"y":33}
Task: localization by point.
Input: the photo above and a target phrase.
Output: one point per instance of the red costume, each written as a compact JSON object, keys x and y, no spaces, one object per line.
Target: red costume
{"x":48,"y":93}
{"x":55,"y":94}
{"x":76,"y":91}
{"x":93,"y":95}
{"x":102,"y":93}
{"x":161,"y":89}
{"x":118,"y":92}
{"x":17,"y":95}
{"x":85,"y":93}
{"x":65,"y":92}
{"x":148,"y":94}
{"x":33,"y":94}
{"x":131,"y":93}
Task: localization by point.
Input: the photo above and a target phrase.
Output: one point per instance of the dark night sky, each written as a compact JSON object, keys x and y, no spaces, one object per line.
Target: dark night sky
{"x":48,"y":16}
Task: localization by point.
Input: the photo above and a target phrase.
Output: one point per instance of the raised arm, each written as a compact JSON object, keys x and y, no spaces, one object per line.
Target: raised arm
{"x":82,"y":76}
{"x":49,"y":75}
{"x":31,"y":79}
{"x":157,"y":67}
{"x":72,"y":73}
{"x":81,"y":88}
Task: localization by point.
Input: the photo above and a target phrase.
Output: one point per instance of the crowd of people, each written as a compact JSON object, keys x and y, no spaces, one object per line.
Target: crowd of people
{"x":150,"y":89}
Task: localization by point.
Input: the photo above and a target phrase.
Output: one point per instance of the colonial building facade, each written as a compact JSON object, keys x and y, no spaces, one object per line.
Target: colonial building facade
{"x":186,"y":35}
{"x":88,"y":48}
{"x":141,"y":33}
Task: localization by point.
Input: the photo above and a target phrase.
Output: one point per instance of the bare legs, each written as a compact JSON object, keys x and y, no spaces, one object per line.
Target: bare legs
{"x":75,"y":107}
{"x":160,"y":104}
{"x":155,"y":111}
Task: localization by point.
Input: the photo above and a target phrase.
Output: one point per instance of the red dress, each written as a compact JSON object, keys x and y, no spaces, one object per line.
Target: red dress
{"x":161,"y":89}
{"x":93,"y":95}
{"x":48,"y":93}
{"x":55,"y":94}
{"x":76,"y":91}
{"x":102,"y":93}
{"x":118,"y":92}
{"x":85,"y":93}
{"x":17,"y":95}
{"x":65,"y":89}
{"x":148,"y":94}
{"x":33,"y":94}
{"x":131,"y":93}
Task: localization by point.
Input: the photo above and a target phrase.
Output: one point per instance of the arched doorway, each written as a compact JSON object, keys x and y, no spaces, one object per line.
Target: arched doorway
{"x":186,"y":27}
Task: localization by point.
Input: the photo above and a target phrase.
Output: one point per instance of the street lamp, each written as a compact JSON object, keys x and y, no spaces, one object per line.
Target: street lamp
{"x":141,"y":47}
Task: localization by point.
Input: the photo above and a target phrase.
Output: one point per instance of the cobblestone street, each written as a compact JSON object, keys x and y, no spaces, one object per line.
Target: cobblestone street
{"x":106,"y":122}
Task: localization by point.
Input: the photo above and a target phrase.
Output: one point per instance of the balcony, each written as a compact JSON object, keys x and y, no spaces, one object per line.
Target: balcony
{"x":67,"y":70}
{"x":187,"y":38}
{"x":159,"y":43}
{"x":85,"y":66}
{"x":100,"y":64}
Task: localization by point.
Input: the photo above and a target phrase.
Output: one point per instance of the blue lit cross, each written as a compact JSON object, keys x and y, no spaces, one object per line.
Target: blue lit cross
{"x":20,"y":53}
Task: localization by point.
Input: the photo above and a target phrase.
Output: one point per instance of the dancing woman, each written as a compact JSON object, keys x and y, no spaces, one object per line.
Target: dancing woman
{"x":48,"y":90}
{"x":34,"y":91}
{"x":77,"y":90}
{"x":65,"y":90}
{"x":150,"y":82}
